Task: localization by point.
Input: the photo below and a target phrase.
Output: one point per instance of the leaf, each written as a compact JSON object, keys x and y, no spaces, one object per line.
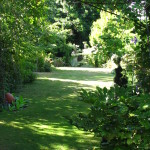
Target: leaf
{"x":129,"y":141}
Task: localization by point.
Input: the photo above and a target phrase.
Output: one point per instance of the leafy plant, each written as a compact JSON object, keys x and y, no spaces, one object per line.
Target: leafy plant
{"x":87,"y":96}
{"x":18,"y":38}
{"x":18,"y":104}
{"x":120,"y":119}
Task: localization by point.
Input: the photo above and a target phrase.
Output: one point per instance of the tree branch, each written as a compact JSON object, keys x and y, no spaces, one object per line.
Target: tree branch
{"x":100,"y":8}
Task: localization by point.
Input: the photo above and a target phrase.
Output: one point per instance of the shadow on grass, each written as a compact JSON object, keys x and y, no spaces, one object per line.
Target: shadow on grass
{"x":41,"y":135}
{"x":43,"y":125}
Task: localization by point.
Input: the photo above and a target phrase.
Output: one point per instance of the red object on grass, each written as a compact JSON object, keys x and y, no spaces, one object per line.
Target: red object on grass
{"x":9,"y":97}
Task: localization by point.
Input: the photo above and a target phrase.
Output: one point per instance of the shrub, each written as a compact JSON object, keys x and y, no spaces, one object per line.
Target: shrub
{"x":27,"y":74}
{"x":58,"y":62}
{"x":119,"y":118}
{"x":47,"y":66}
{"x":120,"y":79}
{"x":40,"y":63}
{"x":87,"y":96}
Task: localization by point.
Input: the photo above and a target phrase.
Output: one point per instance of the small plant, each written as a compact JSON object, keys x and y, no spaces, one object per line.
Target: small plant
{"x":87,"y":96}
{"x":17,"y":104}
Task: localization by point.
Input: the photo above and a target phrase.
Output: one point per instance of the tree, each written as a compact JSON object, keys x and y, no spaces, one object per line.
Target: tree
{"x":77,"y":17}
{"x":19,"y":23}
{"x":133,"y":10}
{"x":111,"y":35}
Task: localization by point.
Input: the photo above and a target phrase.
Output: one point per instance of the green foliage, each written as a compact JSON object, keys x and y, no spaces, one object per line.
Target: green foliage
{"x":142,"y":62}
{"x":18,"y":42}
{"x":28,"y":76}
{"x":88,"y":96}
{"x":97,"y":59}
{"x":118,"y":117}
{"x":26,"y":71}
{"x":54,"y":41}
{"x":18,"y":104}
{"x":74,"y":16}
{"x":110,"y":35}
{"x":58,"y":62}
{"x":40,"y":63}
{"x":125,"y":32}
{"x":43,"y":63}
{"x":47,"y":66}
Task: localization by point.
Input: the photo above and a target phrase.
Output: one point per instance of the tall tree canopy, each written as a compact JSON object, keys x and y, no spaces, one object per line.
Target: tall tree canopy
{"x":138,"y":12}
{"x":32,"y":29}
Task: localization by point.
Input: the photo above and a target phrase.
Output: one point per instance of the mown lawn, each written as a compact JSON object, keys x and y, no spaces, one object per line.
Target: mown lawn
{"x":43,"y":125}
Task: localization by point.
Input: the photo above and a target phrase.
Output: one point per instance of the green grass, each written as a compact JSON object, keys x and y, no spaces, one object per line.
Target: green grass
{"x":43,"y":125}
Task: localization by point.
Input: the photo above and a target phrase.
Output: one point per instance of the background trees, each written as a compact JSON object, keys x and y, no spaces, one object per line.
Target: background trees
{"x":111,"y":35}
{"x":132,"y":20}
{"x":129,"y":34}
{"x":35,"y":29}
{"x":34,"y":32}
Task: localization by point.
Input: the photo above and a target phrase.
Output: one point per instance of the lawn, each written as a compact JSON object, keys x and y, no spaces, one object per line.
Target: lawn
{"x":53,"y":97}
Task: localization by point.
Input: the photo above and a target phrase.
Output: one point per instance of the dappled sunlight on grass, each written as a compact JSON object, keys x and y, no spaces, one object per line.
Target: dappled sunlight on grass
{"x":86,"y":69}
{"x":53,"y":100}
{"x":90,"y":77}
{"x":58,"y":134}
{"x":2,"y":122}
{"x":90,"y":83}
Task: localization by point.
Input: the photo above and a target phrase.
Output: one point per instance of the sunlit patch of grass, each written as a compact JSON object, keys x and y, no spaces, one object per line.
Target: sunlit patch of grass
{"x":44,"y":124}
{"x":2,"y":122}
{"x":89,"y":83}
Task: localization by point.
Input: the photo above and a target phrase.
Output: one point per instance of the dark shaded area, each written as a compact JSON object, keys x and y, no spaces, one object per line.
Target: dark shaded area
{"x":120,"y":79}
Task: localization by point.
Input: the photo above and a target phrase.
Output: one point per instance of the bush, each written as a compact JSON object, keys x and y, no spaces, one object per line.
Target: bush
{"x":88,"y":96}
{"x":27,"y":74}
{"x":43,"y":63}
{"x":58,"y":62}
{"x":120,"y":118}
{"x":47,"y":66}
{"x":97,"y":60}
{"x":40,"y":63}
